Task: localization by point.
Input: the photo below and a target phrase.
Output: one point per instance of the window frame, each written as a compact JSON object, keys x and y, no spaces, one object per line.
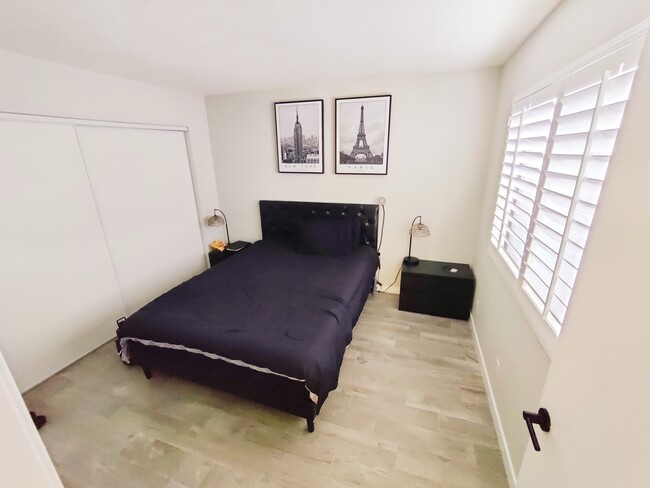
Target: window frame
{"x":512,"y":277}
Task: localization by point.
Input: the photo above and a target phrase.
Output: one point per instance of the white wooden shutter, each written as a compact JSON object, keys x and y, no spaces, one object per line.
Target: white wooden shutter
{"x":560,"y":140}
{"x":528,"y":136}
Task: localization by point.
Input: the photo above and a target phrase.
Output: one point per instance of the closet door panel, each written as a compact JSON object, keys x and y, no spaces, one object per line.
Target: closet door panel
{"x":143,"y":189}
{"x":59,"y":298}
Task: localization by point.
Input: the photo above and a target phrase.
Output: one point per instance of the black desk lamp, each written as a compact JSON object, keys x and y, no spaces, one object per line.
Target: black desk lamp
{"x":416,"y":230}
{"x":218,"y":220}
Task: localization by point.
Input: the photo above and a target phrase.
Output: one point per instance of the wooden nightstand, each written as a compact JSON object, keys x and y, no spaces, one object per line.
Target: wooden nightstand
{"x":437,"y":288}
{"x":218,"y":256}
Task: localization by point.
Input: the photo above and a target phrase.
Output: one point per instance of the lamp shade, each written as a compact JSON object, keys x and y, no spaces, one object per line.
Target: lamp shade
{"x":419,"y":230}
{"x":218,"y":219}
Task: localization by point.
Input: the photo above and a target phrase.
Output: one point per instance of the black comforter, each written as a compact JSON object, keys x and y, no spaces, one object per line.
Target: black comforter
{"x":268,"y":307}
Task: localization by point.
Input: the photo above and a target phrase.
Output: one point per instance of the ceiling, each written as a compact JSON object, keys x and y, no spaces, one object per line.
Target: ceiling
{"x":219,"y":46}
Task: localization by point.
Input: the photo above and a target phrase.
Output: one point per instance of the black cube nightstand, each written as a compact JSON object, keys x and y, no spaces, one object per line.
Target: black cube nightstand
{"x":218,"y":256}
{"x":437,"y":288}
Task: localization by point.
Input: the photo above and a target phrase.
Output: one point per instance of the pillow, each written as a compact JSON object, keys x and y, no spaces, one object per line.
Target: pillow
{"x":329,"y":237}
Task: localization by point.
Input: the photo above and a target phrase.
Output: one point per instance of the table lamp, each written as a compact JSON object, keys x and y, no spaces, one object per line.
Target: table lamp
{"x":416,"y":230}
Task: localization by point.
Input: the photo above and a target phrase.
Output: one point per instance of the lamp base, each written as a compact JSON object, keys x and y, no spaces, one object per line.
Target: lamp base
{"x":411,"y":260}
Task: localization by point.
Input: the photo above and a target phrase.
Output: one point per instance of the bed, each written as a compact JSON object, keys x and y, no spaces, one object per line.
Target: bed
{"x":272,"y":322}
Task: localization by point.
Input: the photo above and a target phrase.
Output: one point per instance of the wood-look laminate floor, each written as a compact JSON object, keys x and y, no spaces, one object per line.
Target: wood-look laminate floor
{"x":410,"y":411}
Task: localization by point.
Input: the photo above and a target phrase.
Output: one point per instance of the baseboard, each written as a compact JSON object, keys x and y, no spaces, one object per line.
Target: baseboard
{"x":494,"y":410}
{"x":77,"y":357}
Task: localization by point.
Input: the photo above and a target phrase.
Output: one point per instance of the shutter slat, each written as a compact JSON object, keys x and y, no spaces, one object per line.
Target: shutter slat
{"x":580,"y":100}
{"x":543,"y":111}
{"x":561,"y":184}
{"x":611,"y":116}
{"x":554,"y":201}
{"x":514,"y":257}
{"x":597,"y":167}
{"x":554,"y":320}
{"x":568,"y":273}
{"x":524,"y":188}
{"x":530,"y":160}
{"x":542,"y":271}
{"x":562,"y":292}
{"x":590,"y":191}
{"x":548,"y":236}
{"x":554,"y":324}
{"x":522,"y":218}
{"x":536,"y":129}
{"x":575,"y":122}
{"x":557,"y":309}
{"x":554,"y":193}
{"x":516,"y":227}
{"x":603,"y":143}
{"x":552,"y":210}
{"x":551,"y":219}
{"x":526,"y":174}
{"x":565,"y":164}
{"x":543,"y":252}
{"x":572,"y":144}
{"x":514,"y":241}
{"x":538,"y":286}
{"x":578,"y":233}
{"x":584,"y":213}
{"x":534,"y":298}
{"x":521,"y":202}
{"x":618,"y":88}
{"x":573,"y":254}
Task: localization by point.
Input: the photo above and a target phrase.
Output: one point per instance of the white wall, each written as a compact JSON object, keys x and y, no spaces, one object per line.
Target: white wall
{"x":571,"y":31}
{"x":34,"y":86}
{"x":596,"y":390}
{"x":439,"y":138}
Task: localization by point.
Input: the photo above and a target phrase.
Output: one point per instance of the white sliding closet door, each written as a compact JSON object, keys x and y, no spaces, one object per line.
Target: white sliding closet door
{"x":59,"y":298}
{"x":142,"y":185}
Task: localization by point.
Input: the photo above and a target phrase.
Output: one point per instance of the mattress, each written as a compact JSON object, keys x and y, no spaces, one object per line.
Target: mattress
{"x":267,"y":308}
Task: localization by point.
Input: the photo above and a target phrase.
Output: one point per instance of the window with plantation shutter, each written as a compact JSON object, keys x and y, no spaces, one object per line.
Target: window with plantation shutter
{"x":559,"y":143}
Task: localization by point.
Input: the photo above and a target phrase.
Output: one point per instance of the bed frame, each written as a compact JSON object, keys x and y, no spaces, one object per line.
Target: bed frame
{"x":279,"y":219}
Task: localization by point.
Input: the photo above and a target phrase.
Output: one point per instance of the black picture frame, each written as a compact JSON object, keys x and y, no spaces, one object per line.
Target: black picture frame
{"x":309,"y":131}
{"x":353,"y":117}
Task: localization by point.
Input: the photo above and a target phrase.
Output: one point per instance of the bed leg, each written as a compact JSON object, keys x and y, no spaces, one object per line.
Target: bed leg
{"x":147,"y":372}
{"x":310,"y":419}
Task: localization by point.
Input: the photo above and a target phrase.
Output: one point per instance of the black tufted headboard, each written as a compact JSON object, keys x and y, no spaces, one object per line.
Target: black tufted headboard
{"x":280,"y":219}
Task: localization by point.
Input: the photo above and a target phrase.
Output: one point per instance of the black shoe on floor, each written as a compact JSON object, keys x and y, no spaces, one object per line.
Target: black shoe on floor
{"x":39,"y":420}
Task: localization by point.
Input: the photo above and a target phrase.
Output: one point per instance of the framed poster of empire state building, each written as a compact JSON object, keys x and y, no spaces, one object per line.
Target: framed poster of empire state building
{"x":362,"y":133}
{"x":299,"y":134}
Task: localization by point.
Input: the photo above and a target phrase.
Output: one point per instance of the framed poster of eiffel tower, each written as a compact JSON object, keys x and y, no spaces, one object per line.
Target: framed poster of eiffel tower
{"x":299,"y":134}
{"x":362,"y":135}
